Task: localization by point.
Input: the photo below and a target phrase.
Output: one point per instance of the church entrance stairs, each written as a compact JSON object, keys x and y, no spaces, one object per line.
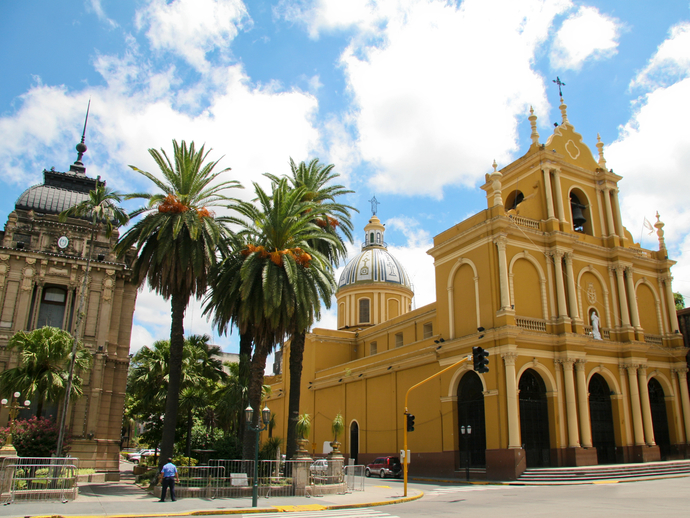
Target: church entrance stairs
{"x":609,"y":473}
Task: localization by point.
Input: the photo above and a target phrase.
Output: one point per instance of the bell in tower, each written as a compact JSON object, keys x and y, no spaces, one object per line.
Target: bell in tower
{"x":577,"y":209}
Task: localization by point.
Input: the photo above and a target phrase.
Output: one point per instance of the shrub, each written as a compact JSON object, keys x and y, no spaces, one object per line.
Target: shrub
{"x":36,"y":437}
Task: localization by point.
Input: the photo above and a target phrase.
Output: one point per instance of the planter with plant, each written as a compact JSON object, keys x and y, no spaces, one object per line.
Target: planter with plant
{"x":303,"y":427}
{"x":337,"y":427}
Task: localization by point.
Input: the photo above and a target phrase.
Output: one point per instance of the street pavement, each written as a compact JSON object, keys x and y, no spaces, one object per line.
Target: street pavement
{"x":667,"y":498}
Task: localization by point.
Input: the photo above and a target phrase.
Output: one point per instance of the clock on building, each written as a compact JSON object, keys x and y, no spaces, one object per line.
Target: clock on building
{"x":63,"y":241}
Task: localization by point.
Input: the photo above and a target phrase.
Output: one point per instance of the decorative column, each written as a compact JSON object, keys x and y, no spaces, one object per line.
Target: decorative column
{"x":451,"y":312}
{"x":622,"y":297}
{"x":632,"y":297}
{"x":646,"y":407}
{"x":512,"y":401}
{"x":609,"y":213}
{"x":617,"y":214}
{"x":572,"y":293}
{"x":560,"y":288}
{"x":583,"y":404}
{"x":501,"y":243}
{"x":570,"y":404}
{"x":684,"y":399}
{"x":635,"y":405}
{"x":37,"y":305}
{"x":559,"y":196}
{"x":670,"y":304}
{"x":549,"y":196}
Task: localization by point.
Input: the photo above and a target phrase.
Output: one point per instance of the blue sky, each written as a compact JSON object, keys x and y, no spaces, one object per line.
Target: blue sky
{"x":412,"y":100}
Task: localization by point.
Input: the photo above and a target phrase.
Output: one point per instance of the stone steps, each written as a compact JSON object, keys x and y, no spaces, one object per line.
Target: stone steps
{"x":589,"y":474}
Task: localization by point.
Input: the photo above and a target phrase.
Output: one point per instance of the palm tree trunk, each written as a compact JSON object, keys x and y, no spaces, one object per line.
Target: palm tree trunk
{"x":189,"y":432}
{"x":296,"y":356}
{"x":178,"y":305}
{"x":246,"y":340}
{"x":256,"y":381}
{"x":39,"y":407}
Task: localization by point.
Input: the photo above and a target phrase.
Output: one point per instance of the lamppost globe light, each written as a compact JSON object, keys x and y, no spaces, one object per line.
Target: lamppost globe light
{"x":469,"y":429}
{"x":266,"y":415}
{"x":17,"y":394}
{"x":249,"y":414}
{"x":27,"y":403}
{"x":3,"y":401}
{"x":462,"y":430}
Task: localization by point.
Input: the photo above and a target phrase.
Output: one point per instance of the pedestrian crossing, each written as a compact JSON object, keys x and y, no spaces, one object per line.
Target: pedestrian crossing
{"x":465,"y":489}
{"x":328,"y":513}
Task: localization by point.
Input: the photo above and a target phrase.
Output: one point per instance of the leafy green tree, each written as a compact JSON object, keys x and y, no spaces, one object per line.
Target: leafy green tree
{"x":176,"y":247}
{"x":679,"y":300}
{"x":316,"y":181}
{"x":43,"y":369}
{"x":275,"y":282}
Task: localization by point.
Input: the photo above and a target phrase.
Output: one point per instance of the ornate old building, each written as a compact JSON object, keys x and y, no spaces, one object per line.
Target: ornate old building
{"x":587,"y":365}
{"x":42,"y":266}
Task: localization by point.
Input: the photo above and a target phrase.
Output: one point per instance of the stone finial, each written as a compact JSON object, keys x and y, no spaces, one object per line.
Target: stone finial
{"x":660,"y":232}
{"x":533,"y":125}
{"x":564,"y":114}
{"x":600,"y":147}
{"x":496,"y":184}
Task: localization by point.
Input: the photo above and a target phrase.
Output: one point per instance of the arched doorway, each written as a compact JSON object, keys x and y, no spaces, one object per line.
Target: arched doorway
{"x":534,"y":420}
{"x":354,"y":441}
{"x":601,"y":418}
{"x":471,"y":412}
{"x":659,"y":418}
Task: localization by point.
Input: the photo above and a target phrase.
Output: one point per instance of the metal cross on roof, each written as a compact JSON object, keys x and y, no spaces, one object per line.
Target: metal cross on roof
{"x":374,"y":203}
{"x":559,"y":83}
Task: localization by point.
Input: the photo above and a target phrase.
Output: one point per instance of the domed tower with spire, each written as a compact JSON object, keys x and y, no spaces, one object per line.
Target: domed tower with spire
{"x":374,"y":287}
{"x":43,"y":262}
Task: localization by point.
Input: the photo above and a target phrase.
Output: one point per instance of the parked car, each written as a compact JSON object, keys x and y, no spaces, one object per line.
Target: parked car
{"x":319,"y":467}
{"x":136,"y":457}
{"x":385,"y":467}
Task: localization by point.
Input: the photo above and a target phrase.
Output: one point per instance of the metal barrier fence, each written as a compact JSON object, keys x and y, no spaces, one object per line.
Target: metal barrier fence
{"x":224,"y":478}
{"x":38,"y":479}
{"x":354,"y":478}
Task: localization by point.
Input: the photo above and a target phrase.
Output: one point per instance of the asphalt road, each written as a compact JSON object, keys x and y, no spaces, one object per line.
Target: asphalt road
{"x":659,"y":498}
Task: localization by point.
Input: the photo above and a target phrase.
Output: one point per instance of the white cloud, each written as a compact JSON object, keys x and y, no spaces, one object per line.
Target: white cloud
{"x":438,"y":93}
{"x":96,"y":7}
{"x":587,"y":34}
{"x":192,"y":28}
{"x":670,"y":62}
{"x":652,"y":153}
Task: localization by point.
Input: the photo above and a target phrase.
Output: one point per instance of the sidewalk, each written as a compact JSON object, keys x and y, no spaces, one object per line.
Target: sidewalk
{"x":126,"y":499}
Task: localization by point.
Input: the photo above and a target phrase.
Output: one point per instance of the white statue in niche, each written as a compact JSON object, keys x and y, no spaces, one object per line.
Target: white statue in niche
{"x":594,"y":319}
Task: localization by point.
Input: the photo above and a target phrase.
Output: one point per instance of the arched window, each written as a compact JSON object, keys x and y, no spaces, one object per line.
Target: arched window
{"x":378,"y":237}
{"x":514,"y":199}
{"x":371,"y":238}
{"x":580,"y":214}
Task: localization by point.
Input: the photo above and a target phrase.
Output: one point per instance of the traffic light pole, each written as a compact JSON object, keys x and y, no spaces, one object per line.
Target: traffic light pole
{"x":406,"y":459}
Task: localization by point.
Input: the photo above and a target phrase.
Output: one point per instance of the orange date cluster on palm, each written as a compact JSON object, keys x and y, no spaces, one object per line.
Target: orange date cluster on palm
{"x":331,"y":221}
{"x":276,"y":256}
{"x":172,"y":204}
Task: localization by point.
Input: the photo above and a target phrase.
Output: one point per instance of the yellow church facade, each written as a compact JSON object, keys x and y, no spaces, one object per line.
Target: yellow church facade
{"x":587,"y":365}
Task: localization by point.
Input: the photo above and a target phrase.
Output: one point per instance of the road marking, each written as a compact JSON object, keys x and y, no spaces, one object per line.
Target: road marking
{"x":336,"y":513}
{"x":464,"y":489}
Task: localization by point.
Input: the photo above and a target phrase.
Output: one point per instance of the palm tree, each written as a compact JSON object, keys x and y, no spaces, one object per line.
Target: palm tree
{"x":274,"y":283}
{"x":316,"y":180}
{"x":175,"y":244}
{"x":101,"y":210}
{"x":41,"y":374}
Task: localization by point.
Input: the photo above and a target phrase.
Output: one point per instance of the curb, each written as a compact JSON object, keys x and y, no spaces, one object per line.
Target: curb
{"x":250,"y":510}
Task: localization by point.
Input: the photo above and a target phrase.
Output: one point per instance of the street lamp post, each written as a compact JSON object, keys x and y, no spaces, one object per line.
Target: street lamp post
{"x":14,"y":406}
{"x":265,"y":418}
{"x":466,"y":437}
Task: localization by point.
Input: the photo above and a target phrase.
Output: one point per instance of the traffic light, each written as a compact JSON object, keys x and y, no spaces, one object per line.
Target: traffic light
{"x":479,"y":356}
{"x":410,"y":422}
